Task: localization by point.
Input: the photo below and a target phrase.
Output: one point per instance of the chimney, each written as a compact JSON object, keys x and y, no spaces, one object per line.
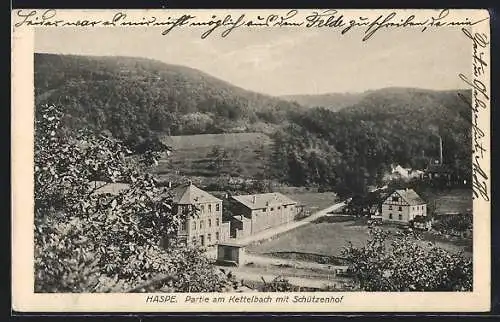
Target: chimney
{"x":440,"y":150}
{"x":253,"y":199}
{"x":170,"y":184}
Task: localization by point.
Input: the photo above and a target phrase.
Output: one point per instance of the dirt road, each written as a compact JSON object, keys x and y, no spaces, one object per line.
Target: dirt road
{"x":268,"y":233}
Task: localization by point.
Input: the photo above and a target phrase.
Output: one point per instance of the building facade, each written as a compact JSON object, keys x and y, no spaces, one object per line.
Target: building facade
{"x":261,"y":211}
{"x":402,"y":206}
{"x":202,"y":216}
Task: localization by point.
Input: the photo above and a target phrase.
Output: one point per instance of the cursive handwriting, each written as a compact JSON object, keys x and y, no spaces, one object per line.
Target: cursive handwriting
{"x":227,"y":23}
{"x":479,"y":98}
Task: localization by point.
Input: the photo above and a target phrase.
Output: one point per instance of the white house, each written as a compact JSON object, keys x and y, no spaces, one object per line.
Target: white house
{"x":402,"y":206}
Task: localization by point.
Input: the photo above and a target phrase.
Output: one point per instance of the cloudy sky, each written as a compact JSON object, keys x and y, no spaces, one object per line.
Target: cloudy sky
{"x":286,"y":61}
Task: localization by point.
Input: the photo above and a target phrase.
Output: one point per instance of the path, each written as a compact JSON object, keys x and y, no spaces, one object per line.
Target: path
{"x":268,"y":233}
{"x":271,"y":232}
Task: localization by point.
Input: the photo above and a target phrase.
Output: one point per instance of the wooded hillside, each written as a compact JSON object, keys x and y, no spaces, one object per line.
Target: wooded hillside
{"x":135,"y":99}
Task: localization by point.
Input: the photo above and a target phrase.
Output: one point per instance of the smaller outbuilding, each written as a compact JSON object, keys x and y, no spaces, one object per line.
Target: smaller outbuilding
{"x":230,"y":254}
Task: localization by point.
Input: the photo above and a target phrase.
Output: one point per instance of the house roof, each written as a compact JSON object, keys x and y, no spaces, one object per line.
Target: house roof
{"x":231,"y":244}
{"x":263,"y":200}
{"x":411,"y":197}
{"x":190,"y":194}
{"x":113,"y":188}
{"x":240,"y":218}
{"x":184,"y":194}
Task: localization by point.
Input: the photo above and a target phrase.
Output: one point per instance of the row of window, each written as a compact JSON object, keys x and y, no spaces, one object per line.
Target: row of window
{"x":202,"y":241}
{"x":209,"y":207}
{"x":400,"y":217}
{"x":272,"y":208}
{"x":209,"y":222}
{"x":413,"y":208}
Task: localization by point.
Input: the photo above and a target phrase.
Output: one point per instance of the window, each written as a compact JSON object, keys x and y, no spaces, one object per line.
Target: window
{"x":400,"y":217}
{"x":272,"y":209}
{"x":216,"y":236}
{"x":400,"y":208}
{"x":209,"y":238}
{"x":264,"y":210}
{"x":209,"y":222}
{"x":202,"y":207}
{"x":279,"y":207}
{"x":217,"y":221}
{"x":217,"y":207}
{"x":194,"y":240}
{"x":390,"y":207}
{"x":209,"y":208}
{"x":395,"y":198}
{"x":390,"y":216}
{"x":284,"y":206}
{"x":201,"y":224}
{"x":194,"y":225}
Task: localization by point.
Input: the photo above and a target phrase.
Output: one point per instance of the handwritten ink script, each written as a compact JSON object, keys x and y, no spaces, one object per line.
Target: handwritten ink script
{"x":226,"y":24}
{"x":479,"y":98}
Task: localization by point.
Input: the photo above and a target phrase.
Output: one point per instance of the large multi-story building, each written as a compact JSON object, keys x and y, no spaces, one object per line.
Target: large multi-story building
{"x":205,"y":227}
{"x":402,"y":206}
{"x":258,"y":212}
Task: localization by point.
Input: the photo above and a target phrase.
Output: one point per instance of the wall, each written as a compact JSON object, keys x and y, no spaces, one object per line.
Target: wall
{"x":407,"y":212}
{"x":207,"y":223}
{"x":225,"y":231}
{"x":390,"y":203}
{"x":272,"y":216}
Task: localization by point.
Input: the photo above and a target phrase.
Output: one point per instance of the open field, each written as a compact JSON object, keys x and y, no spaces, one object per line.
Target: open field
{"x":314,"y":201}
{"x":246,"y":154}
{"x":455,"y":200}
{"x":328,"y":238}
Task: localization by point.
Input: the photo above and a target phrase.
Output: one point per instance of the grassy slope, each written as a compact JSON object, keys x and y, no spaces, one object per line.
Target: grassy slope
{"x":246,"y":154}
{"x":456,"y":200}
{"x":328,"y":238}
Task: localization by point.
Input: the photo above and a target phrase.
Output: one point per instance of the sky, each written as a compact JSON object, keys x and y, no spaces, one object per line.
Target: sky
{"x":286,"y":61}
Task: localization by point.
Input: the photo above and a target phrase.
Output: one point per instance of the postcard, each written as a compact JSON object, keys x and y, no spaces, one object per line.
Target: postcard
{"x":312,"y":160}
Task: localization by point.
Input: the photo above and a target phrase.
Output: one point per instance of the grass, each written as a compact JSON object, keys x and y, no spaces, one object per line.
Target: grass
{"x":328,"y":239}
{"x":456,"y":200}
{"x":246,"y":154}
{"x":321,"y":238}
{"x":314,"y":201}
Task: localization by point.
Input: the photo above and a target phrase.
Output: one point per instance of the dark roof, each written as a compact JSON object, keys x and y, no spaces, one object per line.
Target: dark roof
{"x":190,"y":194}
{"x":264,"y":200}
{"x":113,"y":188}
{"x":410,"y":196}
{"x":231,"y":244}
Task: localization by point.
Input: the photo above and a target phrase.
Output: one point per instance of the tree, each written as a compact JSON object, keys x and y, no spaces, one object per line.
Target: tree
{"x":87,"y":241}
{"x":218,"y":156}
{"x":405,"y":265}
{"x":278,"y":284}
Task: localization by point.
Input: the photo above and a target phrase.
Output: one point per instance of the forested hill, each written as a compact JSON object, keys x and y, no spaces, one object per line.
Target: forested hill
{"x":357,"y":145}
{"x":133,"y":96}
{"x":346,"y":146}
{"x":331,"y":101}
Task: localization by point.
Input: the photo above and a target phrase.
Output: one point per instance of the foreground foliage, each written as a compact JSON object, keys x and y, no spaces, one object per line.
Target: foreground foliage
{"x":90,"y":241}
{"x":406,"y":265}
